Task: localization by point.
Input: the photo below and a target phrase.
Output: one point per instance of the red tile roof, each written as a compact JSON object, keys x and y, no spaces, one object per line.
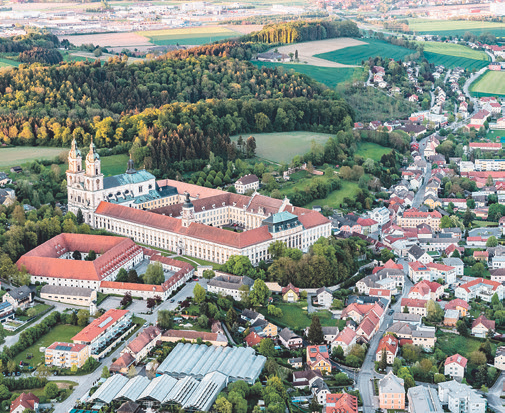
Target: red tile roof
{"x":368,"y":222}
{"x":123,"y":362}
{"x":493,"y":284}
{"x":143,"y":339}
{"x":45,"y":259}
{"x":341,"y":403}
{"x":439,"y":267}
{"x":487,"y":145}
{"x":481,"y":254}
{"x":252,"y":339}
{"x":418,"y":266}
{"x":414,"y":213}
{"x":379,"y":292}
{"x":390,"y":264}
{"x":345,"y":336}
{"x":25,"y":400}
{"x":288,"y":288}
{"x":457,"y":302}
{"x":489,"y":324}
{"x":411,"y":302}
{"x":388,"y":342}
{"x":98,"y":325}
{"x":456,"y":358}
{"x":404,"y":341}
{"x":191,"y":335}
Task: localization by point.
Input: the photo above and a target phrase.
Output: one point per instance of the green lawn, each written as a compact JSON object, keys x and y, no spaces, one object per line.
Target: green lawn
{"x":372,"y":150}
{"x":39,"y":309}
{"x":296,"y":317}
{"x":58,"y":333}
{"x":189,"y":36}
{"x":490,"y":83}
{"x":452,"y":343}
{"x":334,"y":199}
{"x":330,"y":76}
{"x":455,"y":27}
{"x":114,"y":164}
{"x":284,"y":146}
{"x":493,"y":134}
{"x":484,"y":224}
{"x":21,"y":154}
{"x":354,"y":55}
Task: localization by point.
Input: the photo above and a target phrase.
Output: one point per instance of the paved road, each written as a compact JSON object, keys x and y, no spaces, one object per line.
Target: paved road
{"x":367,"y":372}
{"x":86,"y":382}
{"x":419,"y":196}
{"x":493,"y":396}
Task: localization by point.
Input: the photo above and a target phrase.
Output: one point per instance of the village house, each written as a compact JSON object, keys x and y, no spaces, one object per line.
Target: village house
{"x":141,"y":345}
{"x":345,"y":339}
{"x":25,"y":401}
{"x":451,"y":318}
{"x":391,"y":393}
{"x":289,"y":339}
{"x":341,"y":403}
{"x":290,"y":293}
{"x":499,"y":358}
{"x":230,"y":285}
{"x":324,"y":297}
{"x":414,"y":306}
{"x":318,"y":358}
{"x":247,"y":183}
{"x":390,"y":344}
{"x":455,"y":366}
{"x":479,"y":287}
{"x":458,"y":304}
{"x":426,"y":290}
{"x":481,"y":326}
{"x":19,"y":297}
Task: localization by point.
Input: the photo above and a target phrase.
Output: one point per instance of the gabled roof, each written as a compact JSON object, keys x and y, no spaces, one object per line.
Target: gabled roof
{"x":457,"y":302}
{"x":411,"y":302}
{"x":388,"y":342}
{"x":25,"y":400}
{"x":346,"y":336}
{"x":99,"y":325}
{"x":489,"y":324}
{"x":341,"y":403}
{"x":456,"y":358}
{"x":252,"y":339}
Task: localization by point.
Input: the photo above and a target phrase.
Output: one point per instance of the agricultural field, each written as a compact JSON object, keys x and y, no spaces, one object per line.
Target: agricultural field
{"x":118,"y":40}
{"x":189,"y":36}
{"x":8,"y":63}
{"x":308,"y":51}
{"x":330,"y":76}
{"x":453,"y":61}
{"x":455,"y":27}
{"x":372,"y":48}
{"x":490,"y":84}
{"x":284,"y":146}
{"x":454,"y":55}
{"x":22,"y":154}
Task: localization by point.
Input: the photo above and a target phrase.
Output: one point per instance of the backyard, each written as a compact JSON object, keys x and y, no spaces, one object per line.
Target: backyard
{"x":453,"y":343}
{"x":60,"y":332}
{"x":294,"y":315}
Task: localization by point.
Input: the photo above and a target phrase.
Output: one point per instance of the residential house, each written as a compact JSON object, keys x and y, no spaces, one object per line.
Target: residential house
{"x":431,"y":272}
{"x":455,"y":366}
{"x":414,"y":306}
{"x":412,"y":319}
{"x":305,"y":378}
{"x":424,"y":337}
{"x":402,"y":330}
{"x":216,"y":339}
{"x":391,"y":393}
{"x":460,"y":398}
{"x":426,"y":290}
{"x":250,"y":316}
{"x":296,"y":362}
{"x":25,"y":401}
{"x":389,"y":343}
{"x":457,"y":263}
{"x":341,"y":403}
{"x":130,"y":407}
{"x":252,"y":339}
{"x":231,"y":285}
{"x":4,"y":179}
{"x":141,"y":345}
{"x":290,"y":293}
{"x":345,"y":339}
{"x":380,"y":215}
{"x":319,"y":390}
{"x":479,"y":287}
{"x":122,"y":364}
{"x":264,"y":328}
{"x":481,"y":326}
{"x":499,"y":358}
{"x":458,"y":304}
{"x":66,"y":355}
{"x":289,"y":339}
{"x":411,"y":218}
{"x":416,"y":253}
{"x":324,"y":297}
{"x":318,"y":358}
{"x":451,"y":318}
{"x":330,"y":333}
{"x":20,"y":297}
{"x":247,"y":183}
{"x":481,"y":255}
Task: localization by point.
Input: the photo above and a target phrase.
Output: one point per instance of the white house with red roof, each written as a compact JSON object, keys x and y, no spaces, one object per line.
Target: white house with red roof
{"x":485,"y":146}
{"x":414,"y":306}
{"x":247,"y":183}
{"x":458,"y":304}
{"x":390,"y":344}
{"x":477,"y":120}
{"x":345,"y":339}
{"x":426,"y":290}
{"x":431,"y":272}
{"x":481,"y":327}
{"x":479,"y":287}
{"x":455,"y":366}
{"x":23,"y":402}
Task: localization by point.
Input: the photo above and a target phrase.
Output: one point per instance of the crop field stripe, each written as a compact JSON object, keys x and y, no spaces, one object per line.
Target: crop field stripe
{"x":454,"y":61}
{"x":355,"y":54}
{"x":490,"y":84}
{"x":457,"y":50}
{"x":330,"y":76}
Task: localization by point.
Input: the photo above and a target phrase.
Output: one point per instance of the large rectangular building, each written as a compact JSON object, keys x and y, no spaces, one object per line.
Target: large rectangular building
{"x":66,"y":355}
{"x":104,"y":330}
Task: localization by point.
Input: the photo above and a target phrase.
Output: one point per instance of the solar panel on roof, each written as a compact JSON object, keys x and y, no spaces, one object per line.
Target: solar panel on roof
{"x":63,"y":348}
{"x":105,"y":322}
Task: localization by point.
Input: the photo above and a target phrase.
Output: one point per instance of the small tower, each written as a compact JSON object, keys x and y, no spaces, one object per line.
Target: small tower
{"x":94,"y":176}
{"x":188,"y":212}
{"x":74,"y":159}
{"x":130,"y":168}
{"x":93,"y":308}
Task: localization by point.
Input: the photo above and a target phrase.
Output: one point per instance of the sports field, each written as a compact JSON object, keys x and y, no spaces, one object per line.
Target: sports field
{"x":22,"y":154}
{"x":455,"y":27}
{"x":284,"y":146}
{"x":330,"y":76}
{"x":372,"y":48}
{"x":191,"y":36}
{"x":490,"y":84}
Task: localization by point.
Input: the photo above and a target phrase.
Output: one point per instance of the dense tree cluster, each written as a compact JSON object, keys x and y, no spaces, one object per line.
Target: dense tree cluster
{"x":23,"y":43}
{"x":303,"y":31}
{"x":41,"y":55}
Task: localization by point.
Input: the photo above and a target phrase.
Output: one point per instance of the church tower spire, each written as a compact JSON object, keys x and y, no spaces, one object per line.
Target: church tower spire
{"x":130,"y":168}
{"x":93,"y":161}
{"x":74,"y":158}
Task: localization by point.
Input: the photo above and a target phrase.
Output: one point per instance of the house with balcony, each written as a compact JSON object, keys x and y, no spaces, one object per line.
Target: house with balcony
{"x":66,"y":355}
{"x":479,"y":287}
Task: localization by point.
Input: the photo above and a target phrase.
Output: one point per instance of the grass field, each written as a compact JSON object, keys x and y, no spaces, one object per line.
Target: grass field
{"x":453,"y":61}
{"x":58,"y":333}
{"x":490,"y":83}
{"x":284,"y":146}
{"x":356,"y":54}
{"x":453,"y":343}
{"x":296,"y":317}
{"x":456,"y":50}
{"x":114,"y":164}
{"x":8,"y":63}
{"x":330,"y":76}
{"x":334,"y":199}
{"x":372,"y":150}
{"x":192,"y":36}
{"x":21,"y":154}
{"x":455,"y":27}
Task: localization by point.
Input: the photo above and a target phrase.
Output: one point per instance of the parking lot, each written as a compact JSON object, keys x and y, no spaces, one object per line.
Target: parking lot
{"x":136,"y":307}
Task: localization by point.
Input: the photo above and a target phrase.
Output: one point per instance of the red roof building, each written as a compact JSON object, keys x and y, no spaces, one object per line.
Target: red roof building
{"x":252,"y":339}
{"x":456,"y":358}
{"x":24,"y":401}
{"x":341,"y":403}
{"x":390,"y":344}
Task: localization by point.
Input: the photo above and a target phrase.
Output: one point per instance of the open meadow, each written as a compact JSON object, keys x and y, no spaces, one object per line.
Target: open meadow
{"x":330,"y":76}
{"x":8,"y":63}
{"x":455,"y":27}
{"x":189,"y":36}
{"x":284,"y":146}
{"x":454,"y":55}
{"x":490,"y":83}
{"x":22,"y":154}
{"x":354,"y":55}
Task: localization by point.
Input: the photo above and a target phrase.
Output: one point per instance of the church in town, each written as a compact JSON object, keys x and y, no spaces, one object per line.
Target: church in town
{"x":185,"y":218}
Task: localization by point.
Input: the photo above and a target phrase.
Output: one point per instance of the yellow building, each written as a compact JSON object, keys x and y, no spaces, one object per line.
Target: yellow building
{"x":66,"y":355}
{"x":318,"y":358}
{"x":290,"y":293}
